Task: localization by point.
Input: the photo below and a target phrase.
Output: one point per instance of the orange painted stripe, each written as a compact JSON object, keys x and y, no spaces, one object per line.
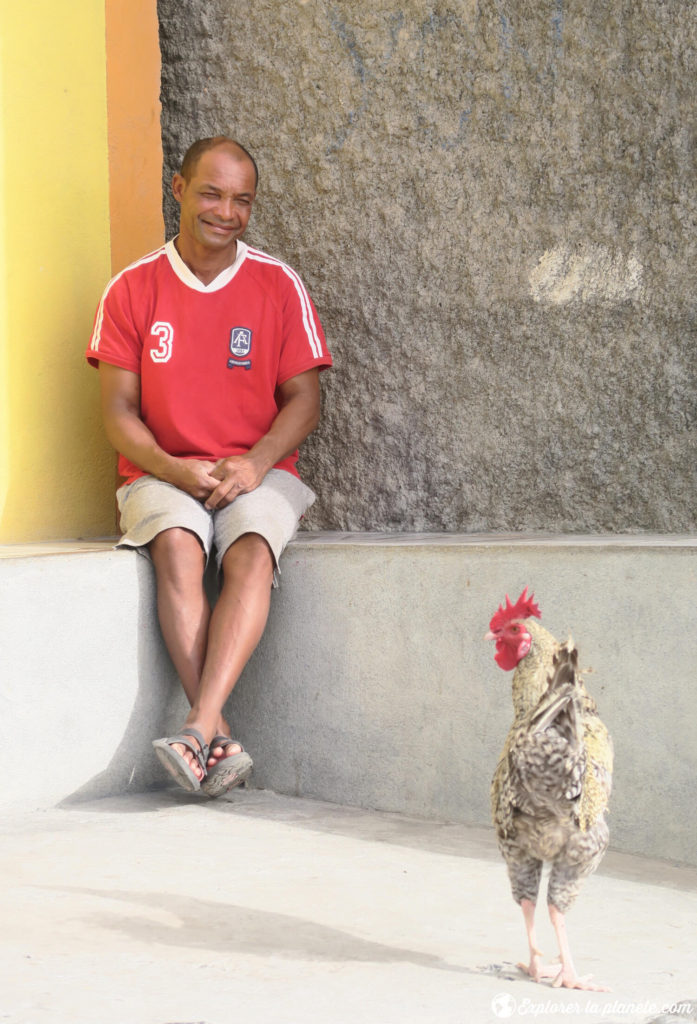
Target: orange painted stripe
{"x":135,"y":140}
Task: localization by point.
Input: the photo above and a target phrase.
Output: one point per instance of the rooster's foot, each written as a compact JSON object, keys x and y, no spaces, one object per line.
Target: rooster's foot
{"x":569,"y":979}
{"x":536,"y":970}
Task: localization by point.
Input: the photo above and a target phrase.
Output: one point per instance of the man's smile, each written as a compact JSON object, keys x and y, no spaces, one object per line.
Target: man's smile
{"x":225,"y":228}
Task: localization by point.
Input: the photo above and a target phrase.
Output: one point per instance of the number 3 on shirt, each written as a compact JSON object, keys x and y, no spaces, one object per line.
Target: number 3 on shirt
{"x":165,"y":332}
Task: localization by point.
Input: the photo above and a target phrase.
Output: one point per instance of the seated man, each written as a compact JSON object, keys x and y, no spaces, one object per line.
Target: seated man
{"x":209,"y":354}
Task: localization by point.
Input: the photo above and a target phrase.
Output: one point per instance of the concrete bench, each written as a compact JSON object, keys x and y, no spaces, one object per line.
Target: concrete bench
{"x":373,"y":685}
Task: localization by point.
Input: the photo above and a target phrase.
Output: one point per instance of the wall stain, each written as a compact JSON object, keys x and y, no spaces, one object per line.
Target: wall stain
{"x":367,"y":71}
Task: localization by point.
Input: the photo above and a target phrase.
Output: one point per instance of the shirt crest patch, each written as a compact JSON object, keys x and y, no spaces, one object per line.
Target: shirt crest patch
{"x":240,"y":347}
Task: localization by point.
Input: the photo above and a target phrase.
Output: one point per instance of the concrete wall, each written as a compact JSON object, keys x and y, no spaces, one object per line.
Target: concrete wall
{"x":84,"y":679}
{"x":373,"y":685}
{"x":493,"y":206}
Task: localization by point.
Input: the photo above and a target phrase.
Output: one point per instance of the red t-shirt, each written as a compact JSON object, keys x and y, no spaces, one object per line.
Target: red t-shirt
{"x":210,"y":358}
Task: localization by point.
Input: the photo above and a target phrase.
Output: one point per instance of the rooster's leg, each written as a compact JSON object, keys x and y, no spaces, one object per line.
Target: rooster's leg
{"x":535,"y":969}
{"x":567,"y":976}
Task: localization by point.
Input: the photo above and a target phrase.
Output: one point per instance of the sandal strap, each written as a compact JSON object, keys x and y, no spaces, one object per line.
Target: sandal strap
{"x":200,"y":752}
{"x":224,"y":741}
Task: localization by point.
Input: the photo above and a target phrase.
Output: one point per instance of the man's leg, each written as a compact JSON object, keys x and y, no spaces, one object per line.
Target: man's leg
{"x":210,"y":650}
{"x":182,"y":604}
{"x":183,"y":610}
{"x":236,"y":627}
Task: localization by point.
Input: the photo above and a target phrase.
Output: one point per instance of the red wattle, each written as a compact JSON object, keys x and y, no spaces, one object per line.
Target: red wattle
{"x":505,"y":658}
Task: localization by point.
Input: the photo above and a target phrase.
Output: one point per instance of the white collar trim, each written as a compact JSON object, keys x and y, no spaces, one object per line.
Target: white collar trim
{"x":187,"y":276}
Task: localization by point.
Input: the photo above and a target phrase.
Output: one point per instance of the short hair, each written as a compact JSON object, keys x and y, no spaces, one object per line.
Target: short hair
{"x":201,"y":146}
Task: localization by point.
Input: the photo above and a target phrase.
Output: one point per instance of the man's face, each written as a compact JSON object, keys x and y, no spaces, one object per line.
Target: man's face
{"x":216,"y":203}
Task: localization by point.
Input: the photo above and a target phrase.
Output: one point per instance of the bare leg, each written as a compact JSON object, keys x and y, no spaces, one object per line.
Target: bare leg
{"x":209,"y":651}
{"x":567,"y":976}
{"x":235,"y":627}
{"x":182,"y":604}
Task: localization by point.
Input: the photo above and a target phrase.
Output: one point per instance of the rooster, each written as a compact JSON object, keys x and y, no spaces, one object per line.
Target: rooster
{"x":551,"y":787}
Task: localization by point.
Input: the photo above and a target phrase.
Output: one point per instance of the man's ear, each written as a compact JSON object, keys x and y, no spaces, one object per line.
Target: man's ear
{"x":178,"y":186}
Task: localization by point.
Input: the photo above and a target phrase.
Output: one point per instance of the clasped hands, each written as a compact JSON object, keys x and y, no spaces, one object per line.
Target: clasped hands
{"x":217,"y":484}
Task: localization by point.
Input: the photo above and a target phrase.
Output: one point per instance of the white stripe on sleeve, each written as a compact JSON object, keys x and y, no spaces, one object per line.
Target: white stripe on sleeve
{"x":99,"y":320}
{"x":309,"y":322}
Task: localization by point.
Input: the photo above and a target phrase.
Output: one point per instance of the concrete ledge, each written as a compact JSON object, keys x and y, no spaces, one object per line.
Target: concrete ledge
{"x":84,"y":678}
{"x":372,"y":686}
{"x":499,"y":540}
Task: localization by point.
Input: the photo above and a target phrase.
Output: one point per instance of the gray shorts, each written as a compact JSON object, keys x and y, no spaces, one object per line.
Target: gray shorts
{"x":148,"y":506}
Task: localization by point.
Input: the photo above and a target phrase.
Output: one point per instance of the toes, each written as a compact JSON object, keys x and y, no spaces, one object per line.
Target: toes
{"x":585,"y":984}
{"x":187,"y":756}
{"x":226,"y":750}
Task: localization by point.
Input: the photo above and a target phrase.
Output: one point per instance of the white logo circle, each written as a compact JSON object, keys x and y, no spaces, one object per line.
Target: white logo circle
{"x":504,"y":1005}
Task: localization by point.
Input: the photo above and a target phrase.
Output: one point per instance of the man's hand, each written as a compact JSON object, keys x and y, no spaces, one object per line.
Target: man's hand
{"x":298,"y":400}
{"x":195,"y":476}
{"x":217,"y":484}
{"x":238,"y":474}
{"x":130,"y":436}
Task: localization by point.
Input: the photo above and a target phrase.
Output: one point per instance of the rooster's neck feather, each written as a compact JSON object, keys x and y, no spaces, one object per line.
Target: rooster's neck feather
{"x":530,"y":677}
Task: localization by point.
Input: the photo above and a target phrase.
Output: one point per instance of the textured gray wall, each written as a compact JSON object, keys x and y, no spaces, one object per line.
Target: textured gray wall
{"x":493,"y":206}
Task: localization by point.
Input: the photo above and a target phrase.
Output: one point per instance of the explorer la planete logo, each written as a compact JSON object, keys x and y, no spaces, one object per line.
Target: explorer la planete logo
{"x":504,"y":1005}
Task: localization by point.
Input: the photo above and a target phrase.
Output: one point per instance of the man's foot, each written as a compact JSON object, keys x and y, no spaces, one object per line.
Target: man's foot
{"x":184,"y":757}
{"x":228,"y":766}
{"x":222,"y":747}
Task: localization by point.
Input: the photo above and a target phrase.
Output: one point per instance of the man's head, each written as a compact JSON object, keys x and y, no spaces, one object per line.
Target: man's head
{"x":215,"y":190}
{"x":201,"y":146}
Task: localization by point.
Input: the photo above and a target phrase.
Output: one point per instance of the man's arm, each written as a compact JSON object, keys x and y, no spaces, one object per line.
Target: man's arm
{"x":298,"y":415}
{"x":120,"y":391}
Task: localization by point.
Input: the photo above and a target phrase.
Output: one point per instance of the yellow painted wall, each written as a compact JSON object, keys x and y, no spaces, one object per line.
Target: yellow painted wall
{"x":55,"y":247}
{"x":55,"y":242}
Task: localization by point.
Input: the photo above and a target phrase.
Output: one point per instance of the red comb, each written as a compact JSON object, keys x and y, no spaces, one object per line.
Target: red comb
{"x":523,"y":608}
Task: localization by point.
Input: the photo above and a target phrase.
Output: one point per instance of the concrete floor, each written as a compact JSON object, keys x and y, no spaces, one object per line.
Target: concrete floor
{"x":163,"y":908}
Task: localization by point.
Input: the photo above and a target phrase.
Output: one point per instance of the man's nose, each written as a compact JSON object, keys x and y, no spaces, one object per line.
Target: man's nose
{"x":225,"y":209}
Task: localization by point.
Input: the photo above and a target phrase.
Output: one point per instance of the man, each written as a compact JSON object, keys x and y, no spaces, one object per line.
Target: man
{"x":209,"y":355}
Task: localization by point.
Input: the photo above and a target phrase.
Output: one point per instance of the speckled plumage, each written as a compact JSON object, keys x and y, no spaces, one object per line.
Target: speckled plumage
{"x":551,"y":786}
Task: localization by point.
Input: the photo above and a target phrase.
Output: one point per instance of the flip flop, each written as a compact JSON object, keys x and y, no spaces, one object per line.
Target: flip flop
{"x":177,"y":766}
{"x":229,"y":771}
